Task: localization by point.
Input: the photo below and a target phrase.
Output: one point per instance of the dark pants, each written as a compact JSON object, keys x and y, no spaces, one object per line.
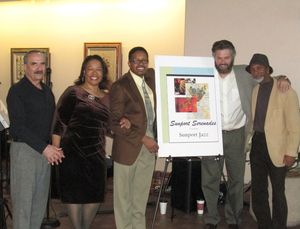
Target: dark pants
{"x":261,"y":168}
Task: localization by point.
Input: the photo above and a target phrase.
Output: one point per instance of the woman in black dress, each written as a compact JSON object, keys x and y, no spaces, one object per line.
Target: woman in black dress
{"x":80,"y":125}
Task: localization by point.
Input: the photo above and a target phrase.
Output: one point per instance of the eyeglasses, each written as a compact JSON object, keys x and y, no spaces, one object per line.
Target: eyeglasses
{"x":135,"y":61}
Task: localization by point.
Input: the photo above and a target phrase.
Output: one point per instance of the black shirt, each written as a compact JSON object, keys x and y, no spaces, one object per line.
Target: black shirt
{"x":30,"y":113}
{"x":262,"y":102}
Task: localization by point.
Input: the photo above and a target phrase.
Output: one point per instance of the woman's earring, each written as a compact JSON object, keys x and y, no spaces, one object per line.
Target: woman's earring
{"x":83,"y":76}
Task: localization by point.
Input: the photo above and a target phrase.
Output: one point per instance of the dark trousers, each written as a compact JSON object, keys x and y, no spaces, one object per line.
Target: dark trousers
{"x":261,"y":168}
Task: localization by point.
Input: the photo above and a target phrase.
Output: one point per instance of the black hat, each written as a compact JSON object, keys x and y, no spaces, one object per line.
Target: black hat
{"x":259,"y":59}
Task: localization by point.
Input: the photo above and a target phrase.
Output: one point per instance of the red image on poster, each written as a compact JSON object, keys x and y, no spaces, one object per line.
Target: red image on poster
{"x":186,"y":104}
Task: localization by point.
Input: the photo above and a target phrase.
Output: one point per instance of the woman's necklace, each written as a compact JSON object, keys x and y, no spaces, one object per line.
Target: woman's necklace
{"x":93,"y":92}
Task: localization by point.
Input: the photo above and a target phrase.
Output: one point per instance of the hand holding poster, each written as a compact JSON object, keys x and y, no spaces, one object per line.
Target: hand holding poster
{"x":188,"y":107}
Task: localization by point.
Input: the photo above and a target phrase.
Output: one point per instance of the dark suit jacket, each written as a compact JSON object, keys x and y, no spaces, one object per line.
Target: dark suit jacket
{"x":126,"y":101}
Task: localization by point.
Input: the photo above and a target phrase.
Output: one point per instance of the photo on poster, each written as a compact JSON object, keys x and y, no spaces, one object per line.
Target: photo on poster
{"x":196,"y":98}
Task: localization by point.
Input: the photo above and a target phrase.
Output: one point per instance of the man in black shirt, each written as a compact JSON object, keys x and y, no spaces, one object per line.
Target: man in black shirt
{"x":275,"y":143}
{"x":30,"y":107}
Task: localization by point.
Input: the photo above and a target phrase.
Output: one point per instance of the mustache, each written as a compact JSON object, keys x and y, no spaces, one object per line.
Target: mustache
{"x":38,"y":72}
{"x":224,"y":65}
{"x":224,"y":68}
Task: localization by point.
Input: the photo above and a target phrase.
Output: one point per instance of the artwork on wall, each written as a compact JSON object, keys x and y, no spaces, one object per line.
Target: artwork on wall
{"x":112,"y":55}
{"x":17,"y":62}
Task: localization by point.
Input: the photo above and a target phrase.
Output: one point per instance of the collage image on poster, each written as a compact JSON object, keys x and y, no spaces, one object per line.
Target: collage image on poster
{"x":191,"y":97}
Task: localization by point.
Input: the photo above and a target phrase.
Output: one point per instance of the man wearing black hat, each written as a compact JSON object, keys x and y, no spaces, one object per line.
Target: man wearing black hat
{"x":275,"y":143}
{"x":236,"y":87}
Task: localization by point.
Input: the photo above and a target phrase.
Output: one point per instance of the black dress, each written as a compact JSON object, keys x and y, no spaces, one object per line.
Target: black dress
{"x":82,"y":120}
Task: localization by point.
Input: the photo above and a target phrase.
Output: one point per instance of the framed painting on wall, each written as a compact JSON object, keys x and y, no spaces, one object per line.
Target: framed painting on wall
{"x":17,"y":62}
{"x":112,"y":55}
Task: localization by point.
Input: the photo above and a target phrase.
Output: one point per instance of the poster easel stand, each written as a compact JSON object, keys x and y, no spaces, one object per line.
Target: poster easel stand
{"x":162,"y":187}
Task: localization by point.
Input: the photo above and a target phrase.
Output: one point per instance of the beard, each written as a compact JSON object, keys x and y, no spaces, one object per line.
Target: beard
{"x":259,"y":80}
{"x":224,"y":68}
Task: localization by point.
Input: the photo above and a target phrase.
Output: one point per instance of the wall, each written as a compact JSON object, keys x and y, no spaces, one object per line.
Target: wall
{"x":270,"y":26}
{"x":63,"y":26}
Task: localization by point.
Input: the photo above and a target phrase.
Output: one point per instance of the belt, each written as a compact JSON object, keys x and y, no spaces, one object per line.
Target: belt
{"x":231,"y":131}
{"x":226,"y":131}
{"x":17,"y":140}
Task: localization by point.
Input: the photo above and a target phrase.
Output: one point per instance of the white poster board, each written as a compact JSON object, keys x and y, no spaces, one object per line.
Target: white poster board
{"x":188,"y":107}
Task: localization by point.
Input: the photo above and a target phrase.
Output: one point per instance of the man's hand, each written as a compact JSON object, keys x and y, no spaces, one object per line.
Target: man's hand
{"x":283,"y":83}
{"x":53,"y":154}
{"x":288,"y":160}
{"x":125,"y":123}
{"x":150,"y":144}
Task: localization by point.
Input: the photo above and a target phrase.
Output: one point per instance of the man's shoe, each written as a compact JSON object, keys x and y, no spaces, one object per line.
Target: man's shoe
{"x":211,"y":226}
{"x":233,"y":226}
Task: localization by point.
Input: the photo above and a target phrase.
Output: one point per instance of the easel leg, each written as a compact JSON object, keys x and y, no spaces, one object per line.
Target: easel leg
{"x":162,"y":187}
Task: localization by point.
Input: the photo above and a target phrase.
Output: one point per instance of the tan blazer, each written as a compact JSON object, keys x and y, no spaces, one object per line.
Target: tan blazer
{"x":126,"y":101}
{"x":282,"y":124}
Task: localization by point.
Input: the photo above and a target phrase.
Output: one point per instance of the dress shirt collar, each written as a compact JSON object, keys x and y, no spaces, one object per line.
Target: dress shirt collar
{"x":137,"y":79}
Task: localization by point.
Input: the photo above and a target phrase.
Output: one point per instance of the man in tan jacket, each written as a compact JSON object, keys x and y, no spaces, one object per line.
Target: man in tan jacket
{"x":275,"y":143}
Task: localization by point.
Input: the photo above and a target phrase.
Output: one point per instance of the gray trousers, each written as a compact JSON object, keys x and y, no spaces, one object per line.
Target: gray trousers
{"x":234,"y":157}
{"x":131,"y":191}
{"x":30,"y":178}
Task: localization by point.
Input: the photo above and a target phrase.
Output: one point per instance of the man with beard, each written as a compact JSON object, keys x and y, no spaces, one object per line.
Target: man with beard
{"x":235,"y":97}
